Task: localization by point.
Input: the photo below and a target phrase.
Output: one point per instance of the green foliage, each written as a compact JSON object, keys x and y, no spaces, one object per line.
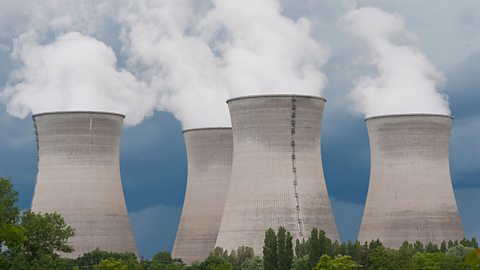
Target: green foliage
{"x":313,"y":248}
{"x":278,"y":250}
{"x":300,"y":248}
{"x":155,"y":265}
{"x":443,"y":247}
{"x":380,"y":258}
{"x":284,"y":249}
{"x":112,"y":264}
{"x":418,"y":246}
{"x":163,"y":257}
{"x":9,"y":213}
{"x":10,"y":233}
{"x":90,"y":260}
{"x":288,"y":261}
{"x":431,"y":248}
{"x":472,"y":260}
{"x":214,"y":262}
{"x":459,"y":251}
{"x":270,"y":250}
{"x":45,"y":234}
{"x":302,"y":263}
{"x":339,"y":263}
{"x":435,"y":261}
{"x":254,"y":263}
{"x":30,"y":240}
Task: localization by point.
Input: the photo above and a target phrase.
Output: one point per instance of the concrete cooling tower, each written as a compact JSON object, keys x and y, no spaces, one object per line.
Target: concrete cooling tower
{"x":410,"y":196}
{"x":79,"y":178}
{"x":277,"y":175}
{"x":209,"y":152}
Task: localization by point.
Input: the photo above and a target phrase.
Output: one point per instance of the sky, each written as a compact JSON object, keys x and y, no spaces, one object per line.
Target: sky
{"x":133,"y":59}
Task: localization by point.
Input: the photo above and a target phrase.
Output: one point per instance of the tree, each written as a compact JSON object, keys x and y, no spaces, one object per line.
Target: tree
{"x":472,"y":260}
{"x":219,"y":251}
{"x":46,"y":234}
{"x":9,"y":213}
{"x":112,"y":264}
{"x":37,"y":238}
{"x":10,"y":233}
{"x":381,"y":258}
{"x":339,"y":263}
{"x":443,"y":247}
{"x":314,"y":248}
{"x":90,"y":260}
{"x":163,"y":257}
{"x":282,"y":258}
{"x":270,"y":250}
{"x":418,"y":246}
{"x":301,"y":248}
{"x":302,"y":263}
{"x":284,"y":249}
{"x":288,"y":252}
{"x":435,"y":261}
{"x":214,"y":262}
{"x":243,"y":254}
{"x":254,"y":263}
{"x":431,"y":248}
{"x":459,"y":251}
{"x":354,"y":250}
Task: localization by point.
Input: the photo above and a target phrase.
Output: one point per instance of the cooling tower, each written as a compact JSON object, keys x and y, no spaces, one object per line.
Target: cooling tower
{"x":79,"y":178}
{"x":209,"y":152}
{"x":277,"y":175}
{"x":410,"y":196}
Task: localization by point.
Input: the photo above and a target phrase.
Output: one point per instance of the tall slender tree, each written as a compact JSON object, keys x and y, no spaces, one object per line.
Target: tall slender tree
{"x":281,"y":252}
{"x":270,"y":250}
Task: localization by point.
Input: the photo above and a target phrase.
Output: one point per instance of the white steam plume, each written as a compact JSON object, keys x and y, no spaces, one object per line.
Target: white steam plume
{"x":406,"y":81}
{"x":185,"y":56}
{"x":197,"y":58}
{"x":75,"y":72}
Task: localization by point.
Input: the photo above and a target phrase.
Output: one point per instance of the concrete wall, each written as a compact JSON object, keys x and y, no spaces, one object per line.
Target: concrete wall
{"x":79,"y":178}
{"x":410,"y":196}
{"x":277,"y":175}
{"x":209,"y":153}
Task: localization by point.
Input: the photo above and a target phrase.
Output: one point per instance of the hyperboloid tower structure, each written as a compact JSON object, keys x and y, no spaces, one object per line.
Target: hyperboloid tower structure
{"x":410,"y":196}
{"x":79,"y":178}
{"x":277,"y":175}
{"x":209,"y":153}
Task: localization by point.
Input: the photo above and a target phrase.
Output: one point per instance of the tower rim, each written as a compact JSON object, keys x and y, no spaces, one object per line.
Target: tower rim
{"x":407,"y":115}
{"x":77,"y":112}
{"x":205,"y":128}
{"x":274,"y":95}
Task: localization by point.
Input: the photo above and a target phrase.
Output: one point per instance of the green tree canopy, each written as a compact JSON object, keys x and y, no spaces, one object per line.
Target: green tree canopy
{"x":339,"y":263}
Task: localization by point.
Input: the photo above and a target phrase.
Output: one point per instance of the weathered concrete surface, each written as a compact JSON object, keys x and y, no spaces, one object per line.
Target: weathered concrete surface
{"x":277,"y":175}
{"x":209,"y":153}
{"x":410,"y":196}
{"x":79,"y":178}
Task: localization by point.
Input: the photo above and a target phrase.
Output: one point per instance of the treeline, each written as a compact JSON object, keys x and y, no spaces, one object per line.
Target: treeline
{"x":30,"y":241}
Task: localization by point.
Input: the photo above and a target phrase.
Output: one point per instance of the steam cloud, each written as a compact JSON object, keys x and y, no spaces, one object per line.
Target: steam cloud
{"x":182,"y":57}
{"x":75,"y":72}
{"x":201,"y":57}
{"x":407,"y":81}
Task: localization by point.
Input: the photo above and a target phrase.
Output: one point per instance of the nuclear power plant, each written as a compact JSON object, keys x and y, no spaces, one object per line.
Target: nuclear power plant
{"x":277,"y":175}
{"x":209,"y":154}
{"x":79,"y":178}
{"x":410,"y":196}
